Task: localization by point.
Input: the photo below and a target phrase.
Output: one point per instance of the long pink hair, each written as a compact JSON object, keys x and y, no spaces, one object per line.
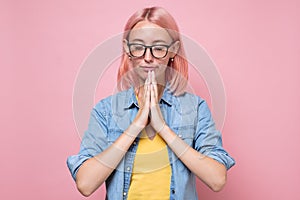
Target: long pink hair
{"x":177,"y":76}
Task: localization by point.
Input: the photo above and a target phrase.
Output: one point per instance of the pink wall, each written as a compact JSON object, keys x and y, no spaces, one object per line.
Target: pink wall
{"x":255,"y":46}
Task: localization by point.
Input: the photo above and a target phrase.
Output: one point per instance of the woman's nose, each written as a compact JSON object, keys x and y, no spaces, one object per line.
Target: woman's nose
{"x":148,"y":55}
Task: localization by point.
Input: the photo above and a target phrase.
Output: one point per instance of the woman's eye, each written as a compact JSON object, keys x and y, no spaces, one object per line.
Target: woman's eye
{"x":138,"y":48}
{"x":159,"y":48}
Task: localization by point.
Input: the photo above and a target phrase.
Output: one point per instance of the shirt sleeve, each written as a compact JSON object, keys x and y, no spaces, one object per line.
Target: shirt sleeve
{"x":208,"y":140}
{"x":93,"y":142}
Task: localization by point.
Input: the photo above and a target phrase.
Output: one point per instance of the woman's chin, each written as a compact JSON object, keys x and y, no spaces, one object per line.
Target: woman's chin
{"x":142,"y":76}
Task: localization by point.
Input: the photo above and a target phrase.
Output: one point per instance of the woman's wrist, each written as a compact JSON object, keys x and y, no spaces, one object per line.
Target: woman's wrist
{"x":133,"y":130}
{"x":161,"y":128}
{"x":166,"y":133}
{"x":173,"y":141}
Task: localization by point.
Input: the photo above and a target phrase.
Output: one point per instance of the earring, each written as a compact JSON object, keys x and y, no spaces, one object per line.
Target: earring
{"x":129,"y":57}
{"x":172,"y":59}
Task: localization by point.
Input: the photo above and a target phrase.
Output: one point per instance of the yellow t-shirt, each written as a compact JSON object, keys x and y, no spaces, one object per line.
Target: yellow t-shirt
{"x":151,"y":173}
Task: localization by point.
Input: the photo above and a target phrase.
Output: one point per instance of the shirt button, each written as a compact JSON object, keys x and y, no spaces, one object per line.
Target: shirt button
{"x":180,"y":135}
{"x":124,"y":194}
{"x":173,"y":191}
{"x":128,"y":168}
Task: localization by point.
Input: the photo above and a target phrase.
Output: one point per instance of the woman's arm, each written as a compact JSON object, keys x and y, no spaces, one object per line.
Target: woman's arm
{"x":210,"y":171}
{"x":94,"y":171}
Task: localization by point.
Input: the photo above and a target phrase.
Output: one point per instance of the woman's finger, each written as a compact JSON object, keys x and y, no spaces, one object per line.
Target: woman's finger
{"x":151,"y":95}
{"x":147,"y":81}
{"x":147,"y":96}
{"x":154,"y":83}
{"x":152,"y":77}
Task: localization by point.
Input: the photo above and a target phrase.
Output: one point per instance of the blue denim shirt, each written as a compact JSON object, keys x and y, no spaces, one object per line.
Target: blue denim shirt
{"x":187,"y":115}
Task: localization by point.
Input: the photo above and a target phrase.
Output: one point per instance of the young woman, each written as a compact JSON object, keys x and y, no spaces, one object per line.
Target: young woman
{"x":152,"y":138}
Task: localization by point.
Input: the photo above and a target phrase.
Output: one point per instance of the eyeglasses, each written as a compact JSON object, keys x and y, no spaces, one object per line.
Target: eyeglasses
{"x":157,"y":51}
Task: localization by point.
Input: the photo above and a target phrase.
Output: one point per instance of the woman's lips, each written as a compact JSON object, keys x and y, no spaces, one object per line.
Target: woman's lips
{"x":148,"y":68}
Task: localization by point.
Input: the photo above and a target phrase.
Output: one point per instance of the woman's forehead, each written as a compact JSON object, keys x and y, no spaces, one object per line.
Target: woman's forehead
{"x":148,"y":32}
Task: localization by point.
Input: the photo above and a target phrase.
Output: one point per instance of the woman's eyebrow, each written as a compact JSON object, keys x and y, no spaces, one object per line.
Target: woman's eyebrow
{"x":159,"y":41}
{"x":138,"y":40}
{"x":155,"y":41}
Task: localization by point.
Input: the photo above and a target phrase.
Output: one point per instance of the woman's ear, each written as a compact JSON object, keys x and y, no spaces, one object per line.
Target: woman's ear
{"x":125,"y":46}
{"x":174,"y":49}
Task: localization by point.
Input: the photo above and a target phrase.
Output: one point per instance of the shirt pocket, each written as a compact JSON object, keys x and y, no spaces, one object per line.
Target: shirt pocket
{"x":113,"y":135}
{"x":185,"y":132}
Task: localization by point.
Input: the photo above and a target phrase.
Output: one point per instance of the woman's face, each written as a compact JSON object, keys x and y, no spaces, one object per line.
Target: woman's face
{"x":148,"y":34}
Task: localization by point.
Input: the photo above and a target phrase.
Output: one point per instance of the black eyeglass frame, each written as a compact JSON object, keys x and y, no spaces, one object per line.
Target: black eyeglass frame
{"x":150,"y":47}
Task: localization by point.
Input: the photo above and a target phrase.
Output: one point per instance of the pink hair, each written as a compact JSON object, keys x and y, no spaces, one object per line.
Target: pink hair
{"x":162,"y":18}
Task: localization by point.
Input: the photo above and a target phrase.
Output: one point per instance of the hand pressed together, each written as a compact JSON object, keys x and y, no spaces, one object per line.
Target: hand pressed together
{"x":149,"y":106}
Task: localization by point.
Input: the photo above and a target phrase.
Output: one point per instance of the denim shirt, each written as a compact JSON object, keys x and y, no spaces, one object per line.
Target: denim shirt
{"x":187,"y":115}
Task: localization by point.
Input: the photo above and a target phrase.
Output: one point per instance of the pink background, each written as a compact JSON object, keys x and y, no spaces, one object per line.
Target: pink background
{"x":255,"y":46}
